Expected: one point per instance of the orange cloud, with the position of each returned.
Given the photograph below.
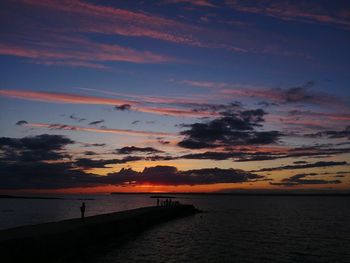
(62, 97)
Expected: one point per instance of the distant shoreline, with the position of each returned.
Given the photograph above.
(236, 194)
(41, 197)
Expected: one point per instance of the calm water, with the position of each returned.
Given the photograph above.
(235, 229)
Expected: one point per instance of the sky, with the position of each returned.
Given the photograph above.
(174, 96)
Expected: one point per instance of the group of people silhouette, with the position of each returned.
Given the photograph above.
(166, 202)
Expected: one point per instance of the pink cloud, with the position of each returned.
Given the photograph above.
(202, 3)
(297, 94)
(110, 20)
(137, 105)
(154, 99)
(62, 97)
(80, 53)
(219, 85)
(306, 11)
(98, 130)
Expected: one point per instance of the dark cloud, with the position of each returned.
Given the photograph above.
(43, 142)
(233, 106)
(40, 175)
(134, 149)
(89, 153)
(162, 141)
(234, 128)
(266, 104)
(123, 107)
(169, 175)
(135, 122)
(73, 117)
(300, 162)
(160, 158)
(332, 134)
(65, 175)
(86, 163)
(58, 126)
(299, 94)
(212, 155)
(94, 145)
(22, 122)
(35, 148)
(299, 179)
(302, 166)
(94, 123)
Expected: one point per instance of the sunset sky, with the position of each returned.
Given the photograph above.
(174, 95)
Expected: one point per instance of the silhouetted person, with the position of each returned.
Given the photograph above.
(157, 201)
(82, 210)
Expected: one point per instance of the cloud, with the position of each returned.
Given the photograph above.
(95, 123)
(291, 95)
(123, 107)
(302, 166)
(89, 153)
(298, 94)
(50, 168)
(62, 175)
(34, 148)
(86, 163)
(298, 179)
(45, 141)
(40, 175)
(94, 144)
(169, 175)
(274, 96)
(238, 156)
(73, 117)
(56, 97)
(199, 3)
(19, 123)
(109, 20)
(232, 128)
(134, 149)
(332, 134)
(98, 130)
(89, 52)
(67, 36)
(305, 11)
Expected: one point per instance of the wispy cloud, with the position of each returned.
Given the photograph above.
(296, 94)
(136, 105)
(62, 97)
(199, 3)
(98, 130)
(66, 41)
(110, 20)
(302, 11)
(82, 53)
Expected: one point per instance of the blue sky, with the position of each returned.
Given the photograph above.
(261, 84)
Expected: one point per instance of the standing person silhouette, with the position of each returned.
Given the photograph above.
(82, 210)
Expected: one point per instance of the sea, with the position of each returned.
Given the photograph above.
(233, 228)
